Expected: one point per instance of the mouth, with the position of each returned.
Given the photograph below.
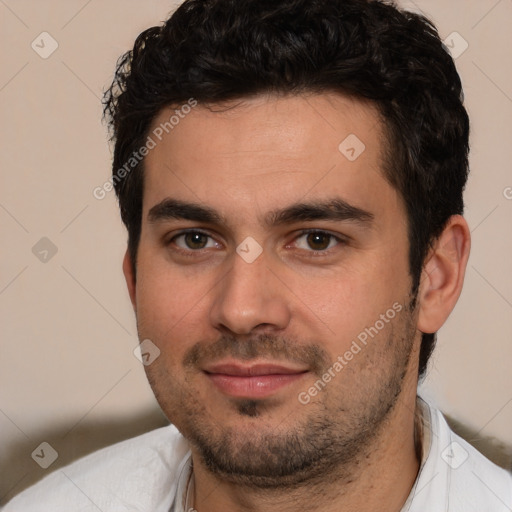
(256, 380)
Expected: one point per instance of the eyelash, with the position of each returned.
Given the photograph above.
(314, 253)
(340, 241)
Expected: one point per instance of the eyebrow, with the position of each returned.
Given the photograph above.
(175, 209)
(334, 210)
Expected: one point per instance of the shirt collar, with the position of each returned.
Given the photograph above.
(423, 436)
(183, 501)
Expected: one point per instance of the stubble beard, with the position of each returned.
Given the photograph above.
(330, 436)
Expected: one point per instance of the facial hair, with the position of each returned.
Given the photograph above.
(332, 433)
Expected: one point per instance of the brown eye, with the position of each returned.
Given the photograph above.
(319, 241)
(196, 240)
(193, 240)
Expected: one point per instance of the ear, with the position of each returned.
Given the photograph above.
(443, 275)
(129, 275)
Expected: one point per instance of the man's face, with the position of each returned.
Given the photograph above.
(269, 253)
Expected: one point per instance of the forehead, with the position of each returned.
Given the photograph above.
(259, 153)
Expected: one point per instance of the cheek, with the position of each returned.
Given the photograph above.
(162, 291)
(350, 305)
(166, 306)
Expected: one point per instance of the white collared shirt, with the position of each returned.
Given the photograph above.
(153, 473)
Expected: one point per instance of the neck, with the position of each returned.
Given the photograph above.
(380, 478)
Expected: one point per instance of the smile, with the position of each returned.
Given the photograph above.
(252, 381)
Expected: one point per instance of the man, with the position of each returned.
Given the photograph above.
(290, 174)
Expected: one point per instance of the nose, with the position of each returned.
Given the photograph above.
(250, 298)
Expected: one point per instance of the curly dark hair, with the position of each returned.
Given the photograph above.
(218, 50)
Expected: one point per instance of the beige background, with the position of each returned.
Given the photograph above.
(68, 375)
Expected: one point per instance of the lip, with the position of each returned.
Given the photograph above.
(257, 380)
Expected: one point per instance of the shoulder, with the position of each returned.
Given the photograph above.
(135, 475)
(476, 483)
(461, 479)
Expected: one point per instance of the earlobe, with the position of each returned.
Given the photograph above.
(443, 275)
(129, 276)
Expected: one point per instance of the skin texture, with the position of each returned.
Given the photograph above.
(301, 303)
